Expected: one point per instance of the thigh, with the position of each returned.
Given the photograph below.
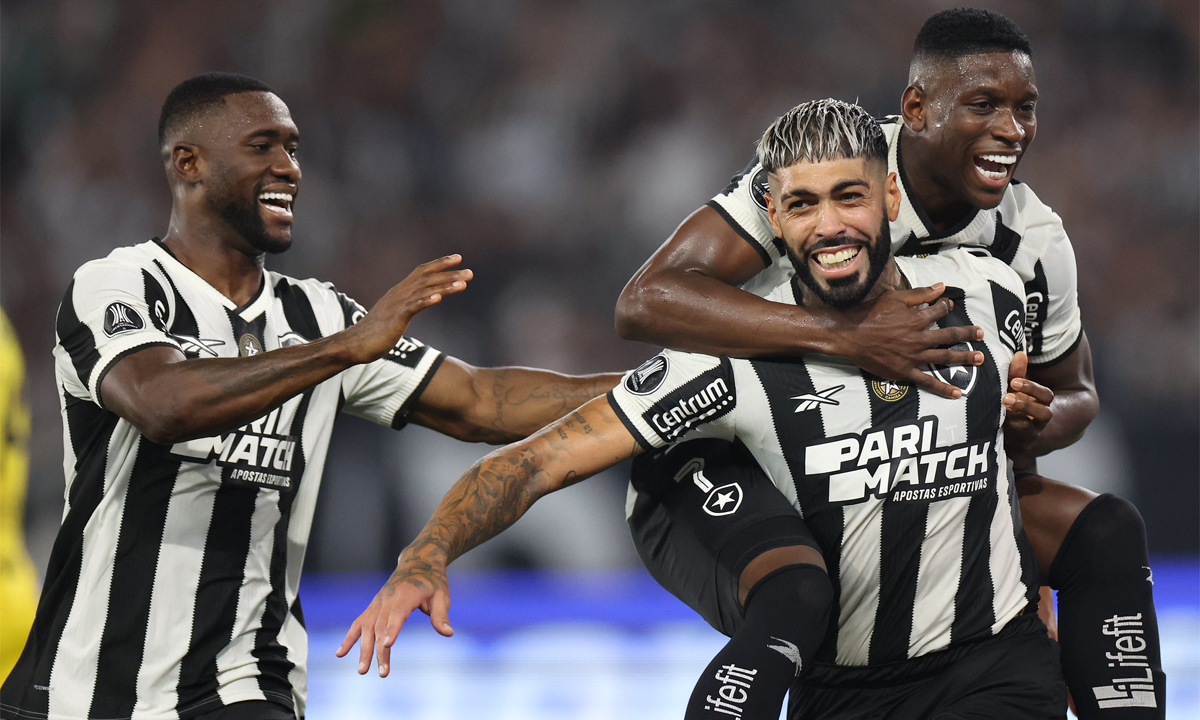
(250, 710)
(700, 513)
(1016, 679)
(1048, 509)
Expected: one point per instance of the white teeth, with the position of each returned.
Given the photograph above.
(1002, 159)
(275, 196)
(992, 175)
(836, 258)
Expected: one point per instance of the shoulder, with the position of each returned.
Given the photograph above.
(961, 267)
(333, 310)
(122, 262)
(1025, 213)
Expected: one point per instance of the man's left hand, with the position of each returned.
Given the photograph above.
(1028, 405)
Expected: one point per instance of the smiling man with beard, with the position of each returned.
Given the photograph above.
(199, 392)
(867, 546)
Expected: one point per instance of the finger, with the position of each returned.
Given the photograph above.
(952, 335)
(439, 615)
(440, 278)
(923, 295)
(942, 356)
(1029, 407)
(936, 311)
(1039, 392)
(1018, 367)
(931, 384)
(352, 636)
(366, 648)
(446, 261)
(388, 633)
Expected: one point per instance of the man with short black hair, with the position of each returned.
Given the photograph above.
(199, 392)
(967, 118)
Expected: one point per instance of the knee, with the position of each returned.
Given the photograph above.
(798, 593)
(1112, 519)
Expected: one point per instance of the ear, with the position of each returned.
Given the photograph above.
(772, 215)
(912, 108)
(891, 191)
(187, 161)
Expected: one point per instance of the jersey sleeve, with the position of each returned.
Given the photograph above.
(677, 396)
(104, 316)
(743, 205)
(1053, 324)
(384, 391)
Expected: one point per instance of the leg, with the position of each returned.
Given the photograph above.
(1092, 549)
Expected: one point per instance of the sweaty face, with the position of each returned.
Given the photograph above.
(253, 175)
(980, 118)
(833, 216)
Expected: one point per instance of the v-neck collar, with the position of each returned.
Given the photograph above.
(247, 311)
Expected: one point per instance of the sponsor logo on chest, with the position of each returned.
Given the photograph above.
(899, 463)
(255, 453)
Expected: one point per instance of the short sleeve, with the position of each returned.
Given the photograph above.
(104, 316)
(385, 390)
(677, 396)
(1053, 324)
(743, 205)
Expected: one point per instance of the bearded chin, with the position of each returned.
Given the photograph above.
(843, 293)
(247, 221)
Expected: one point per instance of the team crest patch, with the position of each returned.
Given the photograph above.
(648, 376)
(888, 390)
(759, 189)
(960, 376)
(249, 345)
(119, 318)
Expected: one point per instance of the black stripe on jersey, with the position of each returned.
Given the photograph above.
(76, 337)
(973, 611)
(183, 322)
(221, 575)
(133, 573)
(1010, 316)
(1065, 353)
(352, 312)
(400, 419)
(89, 428)
(782, 380)
(1037, 304)
(298, 310)
(736, 179)
(1006, 242)
(742, 232)
(901, 533)
(156, 300)
(273, 664)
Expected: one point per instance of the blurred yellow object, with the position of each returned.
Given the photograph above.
(18, 578)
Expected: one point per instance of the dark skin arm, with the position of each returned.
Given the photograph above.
(501, 405)
(490, 497)
(170, 398)
(1075, 404)
(686, 297)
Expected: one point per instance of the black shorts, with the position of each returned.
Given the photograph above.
(702, 510)
(1014, 675)
(250, 710)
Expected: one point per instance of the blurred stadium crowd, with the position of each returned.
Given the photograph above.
(555, 145)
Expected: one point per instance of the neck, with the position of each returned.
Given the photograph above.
(889, 279)
(220, 256)
(938, 199)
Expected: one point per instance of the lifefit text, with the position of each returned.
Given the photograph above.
(884, 457)
(732, 695)
(1129, 643)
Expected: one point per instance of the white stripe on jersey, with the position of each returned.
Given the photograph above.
(173, 602)
(759, 434)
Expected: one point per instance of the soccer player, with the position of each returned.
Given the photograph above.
(199, 392)
(967, 117)
(906, 493)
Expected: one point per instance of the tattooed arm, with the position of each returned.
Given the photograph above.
(489, 498)
(500, 405)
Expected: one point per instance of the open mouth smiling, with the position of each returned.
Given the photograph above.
(839, 261)
(277, 203)
(995, 168)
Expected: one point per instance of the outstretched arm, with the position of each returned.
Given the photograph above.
(686, 297)
(493, 495)
(169, 398)
(501, 405)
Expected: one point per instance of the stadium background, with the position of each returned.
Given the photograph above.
(555, 145)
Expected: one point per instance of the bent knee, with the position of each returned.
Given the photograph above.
(780, 558)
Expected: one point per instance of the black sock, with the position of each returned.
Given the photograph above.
(1107, 626)
(786, 617)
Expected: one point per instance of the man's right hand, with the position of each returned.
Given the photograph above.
(894, 337)
(379, 331)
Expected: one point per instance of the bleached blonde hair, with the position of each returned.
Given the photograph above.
(821, 130)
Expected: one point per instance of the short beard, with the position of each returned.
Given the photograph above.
(846, 293)
(244, 216)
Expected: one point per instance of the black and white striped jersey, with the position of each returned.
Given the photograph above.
(172, 586)
(1022, 231)
(906, 492)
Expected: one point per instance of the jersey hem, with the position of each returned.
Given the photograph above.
(108, 365)
(400, 418)
(1046, 360)
(741, 231)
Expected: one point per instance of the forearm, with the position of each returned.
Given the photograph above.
(691, 311)
(521, 401)
(195, 398)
